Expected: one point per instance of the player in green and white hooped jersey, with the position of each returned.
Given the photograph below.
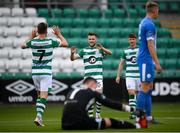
(93, 64)
(132, 71)
(42, 54)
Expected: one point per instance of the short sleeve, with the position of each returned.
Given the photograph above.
(123, 55)
(55, 43)
(150, 32)
(80, 53)
(28, 44)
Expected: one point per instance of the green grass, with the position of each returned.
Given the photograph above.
(18, 118)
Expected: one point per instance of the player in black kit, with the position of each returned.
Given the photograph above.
(78, 101)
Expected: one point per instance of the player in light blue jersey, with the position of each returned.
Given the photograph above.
(147, 58)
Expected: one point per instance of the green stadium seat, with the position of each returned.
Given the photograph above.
(125, 32)
(162, 62)
(163, 6)
(91, 22)
(76, 32)
(115, 22)
(78, 22)
(67, 22)
(94, 13)
(123, 43)
(107, 65)
(163, 32)
(162, 43)
(168, 73)
(175, 43)
(133, 13)
(170, 64)
(69, 13)
(83, 13)
(43, 12)
(114, 32)
(113, 43)
(161, 52)
(177, 73)
(66, 32)
(57, 12)
(129, 23)
(74, 42)
(116, 64)
(172, 53)
(102, 33)
(157, 23)
(118, 53)
(108, 13)
(113, 4)
(53, 21)
(178, 63)
(86, 31)
(109, 74)
(104, 23)
(83, 43)
(141, 12)
(174, 6)
(118, 13)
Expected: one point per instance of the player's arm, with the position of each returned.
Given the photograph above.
(74, 54)
(112, 104)
(120, 69)
(58, 34)
(31, 36)
(105, 50)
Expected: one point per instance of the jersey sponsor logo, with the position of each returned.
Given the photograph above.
(132, 59)
(92, 59)
(164, 89)
(20, 88)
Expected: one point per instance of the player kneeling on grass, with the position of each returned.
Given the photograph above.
(78, 102)
(42, 54)
(129, 57)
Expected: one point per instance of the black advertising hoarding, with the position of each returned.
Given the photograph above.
(23, 90)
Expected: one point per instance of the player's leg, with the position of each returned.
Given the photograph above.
(98, 104)
(45, 83)
(131, 85)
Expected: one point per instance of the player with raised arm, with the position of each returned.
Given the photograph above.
(42, 54)
(129, 57)
(93, 64)
(78, 101)
(147, 58)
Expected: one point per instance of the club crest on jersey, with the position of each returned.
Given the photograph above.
(133, 59)
(92, 59)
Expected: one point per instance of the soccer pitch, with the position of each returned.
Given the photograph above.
(19, 118)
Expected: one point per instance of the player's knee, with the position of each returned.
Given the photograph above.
(44, 94)
(146, 86)
(131, 92)
(107, 122)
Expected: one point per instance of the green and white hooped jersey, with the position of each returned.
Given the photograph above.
(42, 54)
(93, 62)
(130, 57)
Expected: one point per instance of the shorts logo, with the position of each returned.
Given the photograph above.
(92, 59)
(148, 75)
(20, 87)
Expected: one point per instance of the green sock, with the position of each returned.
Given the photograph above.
(132, 102)
(40, 106)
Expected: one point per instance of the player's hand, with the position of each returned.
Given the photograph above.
(99, 46)
(73, 49)
(56, 30)
(158, 68)
(118, 79)
(34, 33)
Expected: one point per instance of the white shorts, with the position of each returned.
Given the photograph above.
(133, 83)
(99, 85)
(42, 82)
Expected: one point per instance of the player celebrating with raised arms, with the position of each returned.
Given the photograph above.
(93, 64)
(42, 54)
(147, 58)
(129, 57)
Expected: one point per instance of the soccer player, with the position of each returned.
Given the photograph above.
(93, 61)
(129, 57)
(78, 101)
(42, 54)
(147, 58)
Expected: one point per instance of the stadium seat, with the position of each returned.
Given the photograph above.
(6, 42)
(25, 66)
(38, 20)
(26, 22)
(66, 66)
(26, 54)
(69, 13)
(83, 13)
(56, 65)
(178, 64)
(174, 6)
(66, 53)
(102, 32)
(54, 21)
(3, 21)
(163, 32)
(67, 22)
(15, 54)
(162, 43)
(83, 43)
(1, 31)
(118, 13)
(107, 65)
(57, 53)
(17, 42)
(5, 11)
(13, 21)
(2, 66)
(56, 12)
(12, 66)
(133, 13)
(108, 13)
(115, 22)
(74, 42)
(24, 32)
(65, 32)
(31, 12)
(129, 23)
(4, 54)
(94, 13)
(170, 63)
(78, 66)
(17, 12)
(113, 32)
(118, 53)
(78, 22)
(116, 64)
(91, 22)
(104, 23)
(43, 12)
(172, 53)
(161, 52)
(163, 6)
(76, 32)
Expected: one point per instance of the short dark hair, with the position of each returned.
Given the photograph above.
(132, 35)
(86, 80)
(42, 28)
(92, 34)
(150, 6)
